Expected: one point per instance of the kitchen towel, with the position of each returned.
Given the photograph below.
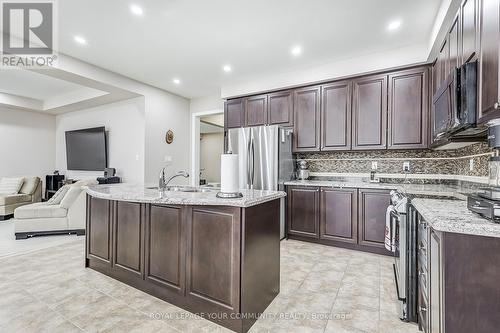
(389, 241)
(229, 173)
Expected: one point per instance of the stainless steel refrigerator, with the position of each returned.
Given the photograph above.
(265, 159)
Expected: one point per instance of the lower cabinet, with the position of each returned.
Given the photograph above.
(339, 218)
(434, 262)
(349, 217)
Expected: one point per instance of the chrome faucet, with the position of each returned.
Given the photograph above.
(163, 184)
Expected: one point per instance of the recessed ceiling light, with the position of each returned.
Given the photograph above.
(136, 10)
(296, 50)
(176, 81)
(226, 68)
(80, 40)
(394, 25)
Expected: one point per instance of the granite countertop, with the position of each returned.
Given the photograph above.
(140, 193)
(408, 189)
(453, 216)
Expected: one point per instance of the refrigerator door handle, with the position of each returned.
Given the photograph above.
(248, 163)
(252, 166)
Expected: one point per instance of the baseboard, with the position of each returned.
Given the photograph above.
(25, 235)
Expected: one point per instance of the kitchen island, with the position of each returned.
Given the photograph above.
(218, 258)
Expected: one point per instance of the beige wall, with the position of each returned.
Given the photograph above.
(211, 147)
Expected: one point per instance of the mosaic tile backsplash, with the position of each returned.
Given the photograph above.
(447, 162)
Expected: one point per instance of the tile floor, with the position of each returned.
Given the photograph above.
(323, 289)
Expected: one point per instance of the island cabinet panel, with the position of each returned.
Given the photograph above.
(306, 109)
(234, 113)
(489, 57)
(469, 30)
(336, 116)
(99, 229)
(213, 258)
(303, 211)
(165, 248)
(370, 113)
(256, 110)
(408, 109)
(128, 236)
(338, 221)
(280, 108)
(373, 205)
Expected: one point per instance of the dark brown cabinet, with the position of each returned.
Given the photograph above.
(280, 108)
(99, 226)
(443, 62)
(303, 211)
(165, 251)
(336, 116)
(306, 110)
(489, 55)
(408, 109)
(370, 113)
(339, 218)
(435, 292)
(373, 205)
(127, 241)
(454, 45)
(469, 18)
(234, 113)
(256, 110)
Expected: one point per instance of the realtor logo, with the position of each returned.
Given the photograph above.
(28, 33)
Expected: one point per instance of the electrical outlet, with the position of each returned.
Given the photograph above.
(406, 166)
(167, 159)
(374, 165)
(471, 164)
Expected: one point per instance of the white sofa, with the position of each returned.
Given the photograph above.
(30, 192)
(64, 214)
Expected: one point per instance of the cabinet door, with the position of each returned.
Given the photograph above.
(488, 60)
(469, 18)
(128, 237)
(339, 217)
(435, 291)
(336, 116)
(256, 110)
(443, 63)
(213, 258)
(303, 211)
(99, 229)
(307, 119)
(408, 109)
(370, 113)
(165, 248)
(234, 113)
(280, 108)
(453, 39)
(373, 205)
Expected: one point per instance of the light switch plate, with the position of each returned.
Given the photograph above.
(471, 164)
(374, 165)
(406, 166)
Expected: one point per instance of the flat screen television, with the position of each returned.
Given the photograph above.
(86, 149)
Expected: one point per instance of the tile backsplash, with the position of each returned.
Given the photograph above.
(445, 162)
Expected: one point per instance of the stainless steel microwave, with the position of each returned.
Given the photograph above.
(455, 109)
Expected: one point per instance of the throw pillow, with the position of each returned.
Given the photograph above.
(10, 186)
(58, 196)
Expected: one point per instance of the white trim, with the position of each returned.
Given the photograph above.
(475, 179)
(195, 144)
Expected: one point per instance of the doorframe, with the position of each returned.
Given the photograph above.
(195, 144)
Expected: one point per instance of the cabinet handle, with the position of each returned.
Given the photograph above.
(496, 106)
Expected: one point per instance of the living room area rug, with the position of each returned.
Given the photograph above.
(9, 246)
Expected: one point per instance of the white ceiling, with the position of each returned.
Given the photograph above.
(192, 40)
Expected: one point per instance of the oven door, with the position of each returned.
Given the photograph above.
(398, 220)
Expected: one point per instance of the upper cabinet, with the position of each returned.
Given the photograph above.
(369, 125)
(469, 18)
(336, 116)
(454, 45)
(256, 110)
(280, 108)
(489, 54)
(234, 113)
(408, 109)
(306, 109)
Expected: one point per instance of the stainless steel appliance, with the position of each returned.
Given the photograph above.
(265, 159)
(302, 170)
(486, 203)
(454, 121)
